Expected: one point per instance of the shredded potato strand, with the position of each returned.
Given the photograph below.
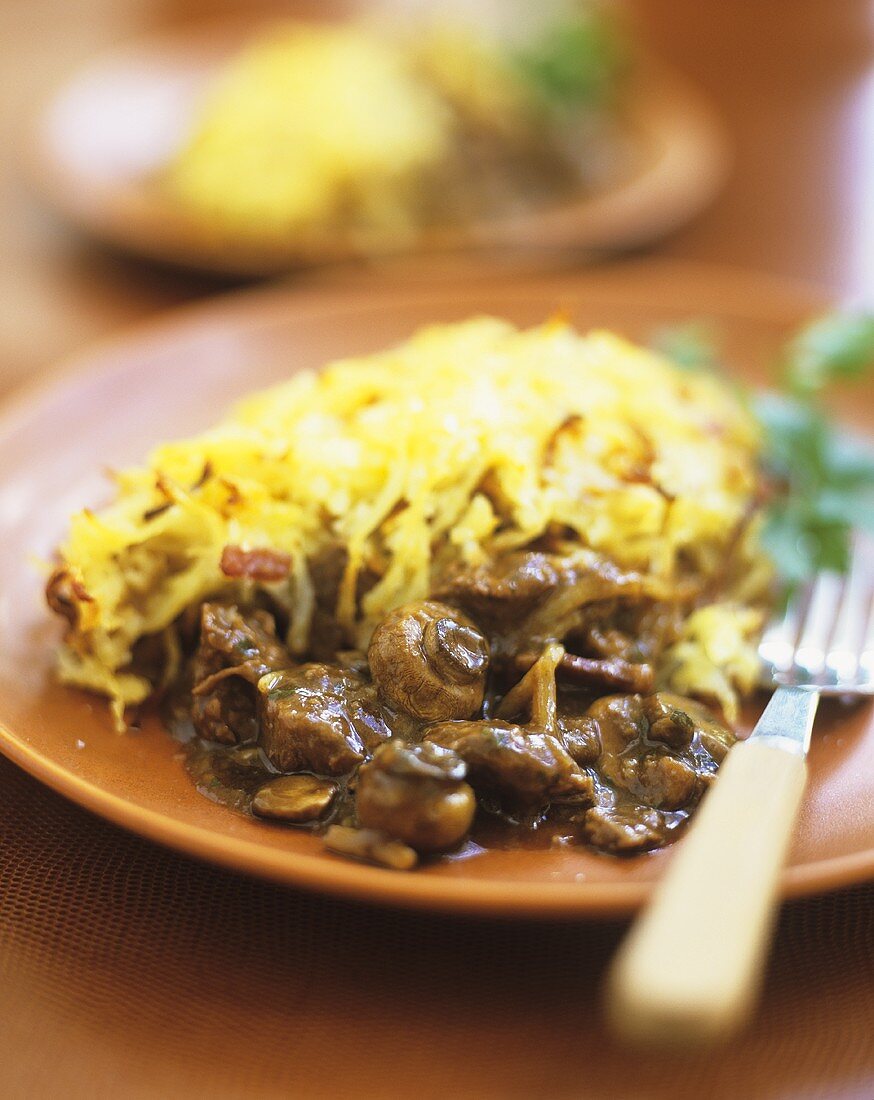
(468, 439)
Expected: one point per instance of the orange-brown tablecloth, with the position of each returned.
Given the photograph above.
(127, 970)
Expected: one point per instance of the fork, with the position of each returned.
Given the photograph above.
(690, 968)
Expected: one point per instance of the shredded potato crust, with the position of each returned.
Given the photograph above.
(467, 440)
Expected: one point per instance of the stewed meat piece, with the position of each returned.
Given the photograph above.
(525, 771)
(709, 740)
(417, 794)
(296, 799)
(580, 737)
(236, 648)
(657, 748)
(319, 718)
(429, 661)
(595, 673)
(499, 593)
(531, 597)
(628, 830)
(668, 722)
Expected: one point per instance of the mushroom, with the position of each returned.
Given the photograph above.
(417, 794)
(372, 846)
(430, 661)
(294, 798)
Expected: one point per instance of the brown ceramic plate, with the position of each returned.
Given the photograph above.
(100, 170)
(174, 377)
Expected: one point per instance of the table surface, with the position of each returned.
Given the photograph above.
(264, 991)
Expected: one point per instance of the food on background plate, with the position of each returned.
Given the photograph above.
(487, 584)
(371, 136)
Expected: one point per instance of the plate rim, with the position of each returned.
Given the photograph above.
(326, 873)
(323, 872)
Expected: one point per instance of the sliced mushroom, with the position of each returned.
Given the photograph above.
(430, 661)
(372, 846)
(294, 798)
(417, 794)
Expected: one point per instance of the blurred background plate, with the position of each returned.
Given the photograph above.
(105, 134)
(174, 377)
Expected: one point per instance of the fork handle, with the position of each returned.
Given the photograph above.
(689, 970)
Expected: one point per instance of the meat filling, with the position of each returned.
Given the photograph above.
(521, 691)
(235, 650)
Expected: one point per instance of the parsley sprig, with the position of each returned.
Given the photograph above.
(821, 478)
(578, 61)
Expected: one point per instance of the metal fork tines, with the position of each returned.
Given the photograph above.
(825, 639)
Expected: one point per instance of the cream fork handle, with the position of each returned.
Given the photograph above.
(689, 970)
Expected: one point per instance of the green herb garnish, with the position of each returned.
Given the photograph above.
(578, 61)
(838, 347)
(822, 479)
(692, 346)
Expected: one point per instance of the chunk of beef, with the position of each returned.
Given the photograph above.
(604, 673)
(499, 593)
(580, 738)
(660, 780)
(524, 771)
(326, 570)
(236, 648)
(668, 721)
(417, 794)
(319, 718)
(525, 600)
(327, 567)
(226, 714)
(657, 748)
(710, 740)
(626, 831)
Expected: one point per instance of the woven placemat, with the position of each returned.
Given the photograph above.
(128, 970)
